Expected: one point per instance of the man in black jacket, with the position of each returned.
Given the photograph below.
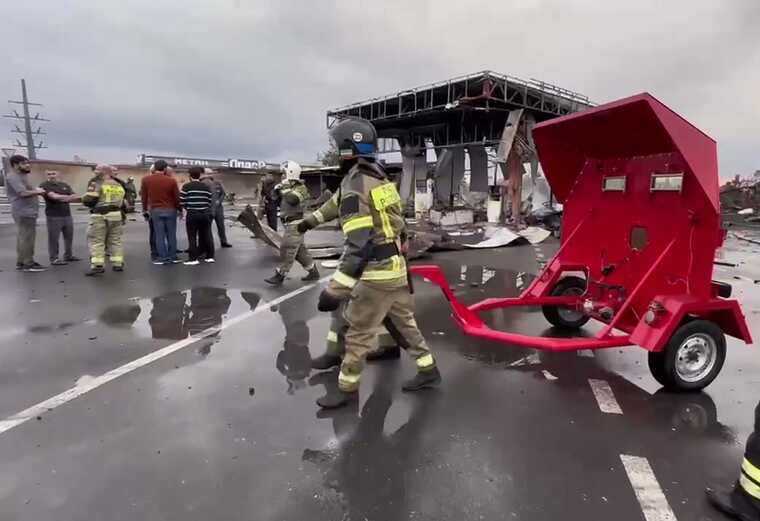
(195, 197)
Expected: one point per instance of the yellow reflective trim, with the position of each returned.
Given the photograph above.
(387, 229)
(352, 379)
(357, 223)
(383, 274)
(332, 336)
(425, 361)
(98, 261)
(749, 487)
(751, 470)
(343, 279)
(319, 216)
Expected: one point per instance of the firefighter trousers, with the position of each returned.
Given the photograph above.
(104, 235)
(293, 249)
(371, 305)
(336, 336)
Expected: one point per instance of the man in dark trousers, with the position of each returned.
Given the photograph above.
(58, 216)
(195, 198)
(217, 208)
(269, 200)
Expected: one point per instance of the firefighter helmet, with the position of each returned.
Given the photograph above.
(354, 137)
(291, 169)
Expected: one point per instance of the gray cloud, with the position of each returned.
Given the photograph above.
(254, 78)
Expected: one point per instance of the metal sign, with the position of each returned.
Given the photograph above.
(244, 164)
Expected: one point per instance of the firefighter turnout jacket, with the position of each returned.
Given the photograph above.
(371, 217)
(292, 194)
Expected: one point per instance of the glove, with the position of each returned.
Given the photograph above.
(328, 301)
(303, 226)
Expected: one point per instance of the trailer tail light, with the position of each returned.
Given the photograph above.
(655, 310)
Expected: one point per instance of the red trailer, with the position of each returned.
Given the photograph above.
(640, 229)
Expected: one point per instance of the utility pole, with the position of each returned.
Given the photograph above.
(30, 145)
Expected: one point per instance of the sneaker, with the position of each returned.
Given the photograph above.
(72, 258)
(226, 245)
(174, 261)
(58, 262)
(158, 263)
(19, 266)
(209, 260)
(191, 263)
(34, 268)
(117, 267)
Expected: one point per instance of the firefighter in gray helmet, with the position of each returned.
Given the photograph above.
(292, 193)
(743, 500)
(372, 269)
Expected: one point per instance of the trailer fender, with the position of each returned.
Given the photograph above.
(727, 314)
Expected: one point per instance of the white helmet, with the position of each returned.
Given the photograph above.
(291, 169)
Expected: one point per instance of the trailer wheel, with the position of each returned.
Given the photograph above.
(562, 317)
(692, 358)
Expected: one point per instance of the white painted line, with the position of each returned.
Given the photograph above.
(585, 353)
(653, 502)
(604, 397)
(93, 383)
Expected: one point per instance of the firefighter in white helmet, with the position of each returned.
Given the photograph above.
(291, 194)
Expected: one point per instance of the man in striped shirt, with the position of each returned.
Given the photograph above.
(195, 198)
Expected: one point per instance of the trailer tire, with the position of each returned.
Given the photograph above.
(691, 359)
(566, 318)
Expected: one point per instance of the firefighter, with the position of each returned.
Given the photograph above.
(292, 193)
(372, 269)
(743, 501)
(106, 199)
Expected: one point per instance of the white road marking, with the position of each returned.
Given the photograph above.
(586, 353)
(93, 383)
(604, 397)
(653, 502)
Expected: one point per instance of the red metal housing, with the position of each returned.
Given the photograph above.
(641, 222)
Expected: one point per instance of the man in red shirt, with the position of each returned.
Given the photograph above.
(160, 197)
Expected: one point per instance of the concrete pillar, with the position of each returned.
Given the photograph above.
(478, 169)
(448, 174)
(414, 167)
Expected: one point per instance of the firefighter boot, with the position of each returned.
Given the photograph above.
(325, 361)
(95, 270)
(422, 380)
(734, 503)
(384, 353)
(312, 275)
(276, 280)
(337, 398)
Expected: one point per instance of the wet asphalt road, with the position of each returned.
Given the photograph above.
(226, 427)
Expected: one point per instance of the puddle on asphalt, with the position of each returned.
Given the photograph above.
(179, 314)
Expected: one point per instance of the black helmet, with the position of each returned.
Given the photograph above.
(354, 137)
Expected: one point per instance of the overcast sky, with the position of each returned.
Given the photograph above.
(253, 79)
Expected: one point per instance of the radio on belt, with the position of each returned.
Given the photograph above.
(640, 229)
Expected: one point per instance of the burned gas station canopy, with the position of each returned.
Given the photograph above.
(466, 109)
